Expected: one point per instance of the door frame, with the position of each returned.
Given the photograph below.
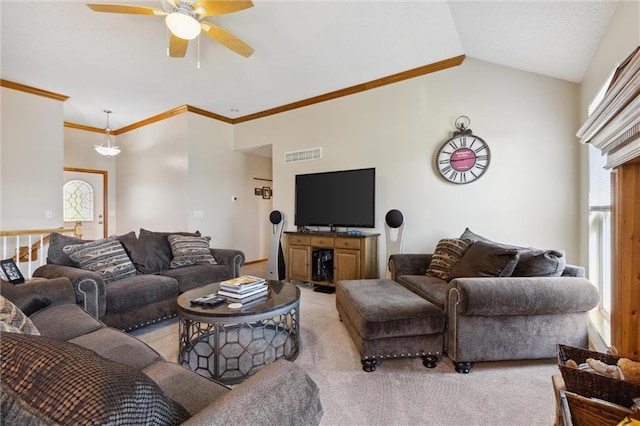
(105, 193)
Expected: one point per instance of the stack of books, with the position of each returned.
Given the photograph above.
(243, 289)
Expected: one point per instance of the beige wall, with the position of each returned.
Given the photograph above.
(31, 161)
(528, 196)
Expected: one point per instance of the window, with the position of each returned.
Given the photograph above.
(600, 225)
(78, 201)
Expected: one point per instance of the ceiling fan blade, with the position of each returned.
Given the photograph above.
(213, 7)
(123, 8)
(226, 39)
(177, 47)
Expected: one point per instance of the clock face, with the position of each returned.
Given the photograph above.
(463, 158)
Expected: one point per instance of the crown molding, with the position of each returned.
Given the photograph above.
(394, 78)
(83, 127)
(32, 90)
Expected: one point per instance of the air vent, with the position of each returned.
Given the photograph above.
(305, 155)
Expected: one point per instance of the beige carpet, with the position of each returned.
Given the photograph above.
(401, 392)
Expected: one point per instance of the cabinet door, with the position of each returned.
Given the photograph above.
(346, 264)
(299, 269)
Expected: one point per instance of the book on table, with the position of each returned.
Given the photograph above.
(243, 289)
(242, 296)
(235, 298)
(242, 281)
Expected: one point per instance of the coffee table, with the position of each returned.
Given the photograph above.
(229, 345)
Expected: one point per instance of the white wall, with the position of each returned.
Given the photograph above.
(171, 171)
(79, 152)
(528, 196)
(31, 161)
(152, 177)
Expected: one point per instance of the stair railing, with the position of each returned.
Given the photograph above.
(33, 253)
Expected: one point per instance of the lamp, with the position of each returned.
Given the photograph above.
(183, 25)
(106, 148)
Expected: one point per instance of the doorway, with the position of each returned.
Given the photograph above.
(85, 198)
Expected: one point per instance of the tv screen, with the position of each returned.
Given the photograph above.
(344, 198)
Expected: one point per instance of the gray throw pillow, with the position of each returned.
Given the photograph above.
(106, 257)
(69, 384)
(533, 262)
(188, 250)
(448, 252)
(152, 252)
(484, 259)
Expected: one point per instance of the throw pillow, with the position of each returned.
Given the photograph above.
(70, 384)
(24, 298)
(540, 263)
(106, 257)
(56, 255)
(447, 253)
(532, 262)
(484, 259)
(189, 250)
(152, 252)
(15, 319)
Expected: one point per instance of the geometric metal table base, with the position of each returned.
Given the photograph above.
(243, 344)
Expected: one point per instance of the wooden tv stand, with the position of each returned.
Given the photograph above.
(353, 256)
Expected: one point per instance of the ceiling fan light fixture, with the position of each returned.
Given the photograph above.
(106, 148)
(183, 25)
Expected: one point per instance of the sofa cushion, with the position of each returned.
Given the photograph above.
(447, 253)
(190, 250)
(76, 322)
(432, 289)
(484, 259)
(13, 317)
(139, 290)
(24, 298)
(106, 257)
(121, 347)
(197, 275)
(533, 262)
(57, 256)
(153, 251)
(73, 385)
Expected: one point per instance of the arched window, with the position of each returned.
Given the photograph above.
(78, 201)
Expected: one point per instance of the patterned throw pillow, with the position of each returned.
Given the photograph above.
(14, 320)
(68, 384)
(188, 250)
(106, 257)
(448, 252)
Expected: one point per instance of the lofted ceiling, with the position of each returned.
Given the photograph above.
(302, 49)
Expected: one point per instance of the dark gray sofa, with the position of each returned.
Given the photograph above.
(80, 370)
(151, 294)
(494, 318)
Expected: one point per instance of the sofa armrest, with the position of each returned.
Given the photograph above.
(279, 394)
(408, 264)
(521, 296)
(58, 290)
(234, 259)
(89, 287)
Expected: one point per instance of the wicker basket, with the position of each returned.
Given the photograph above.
(594, 412)
(593, 385)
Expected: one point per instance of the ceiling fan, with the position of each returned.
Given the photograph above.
(185, 20)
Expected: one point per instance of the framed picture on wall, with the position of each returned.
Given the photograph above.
(266, 192)
(9, 272)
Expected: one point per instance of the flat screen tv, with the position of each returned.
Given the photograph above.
(343, 198)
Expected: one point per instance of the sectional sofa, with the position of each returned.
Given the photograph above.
(61, 365)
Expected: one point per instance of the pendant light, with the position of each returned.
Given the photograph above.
(106, 148)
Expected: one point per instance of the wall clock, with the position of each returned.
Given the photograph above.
(465, 157)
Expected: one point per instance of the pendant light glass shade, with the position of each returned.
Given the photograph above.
(106, 148)
(183, 25)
